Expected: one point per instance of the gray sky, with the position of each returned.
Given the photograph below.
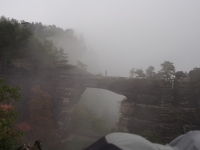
(124, 33)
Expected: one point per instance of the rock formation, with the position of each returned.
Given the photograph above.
(151, 105)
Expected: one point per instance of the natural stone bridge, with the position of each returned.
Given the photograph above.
(71, 77)
(151, 105)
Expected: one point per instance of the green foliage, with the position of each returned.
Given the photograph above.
(8, 94)
(13, 37)
(43, 53)
(10, 137)
(167, 71)
(12, 33)
(152, 136)
(20, 41)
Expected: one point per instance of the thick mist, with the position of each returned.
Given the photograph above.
(104, 103)
(116, 36)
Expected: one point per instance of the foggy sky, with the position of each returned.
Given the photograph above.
(123, 33)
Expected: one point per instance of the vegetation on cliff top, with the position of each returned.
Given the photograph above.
(167, 72)
(34, 45)
(31, 46)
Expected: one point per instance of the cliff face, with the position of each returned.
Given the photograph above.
(166, 110)
(151, 105)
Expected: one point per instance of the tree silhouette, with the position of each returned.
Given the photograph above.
(140, 73)
(167, 71)
(194, 76)
(150, 71)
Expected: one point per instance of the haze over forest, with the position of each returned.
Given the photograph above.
(125, 34)
(110, 37)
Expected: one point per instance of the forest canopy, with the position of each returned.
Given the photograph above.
(167, 72)
(34, 44)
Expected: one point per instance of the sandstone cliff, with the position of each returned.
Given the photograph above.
(151, 105)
